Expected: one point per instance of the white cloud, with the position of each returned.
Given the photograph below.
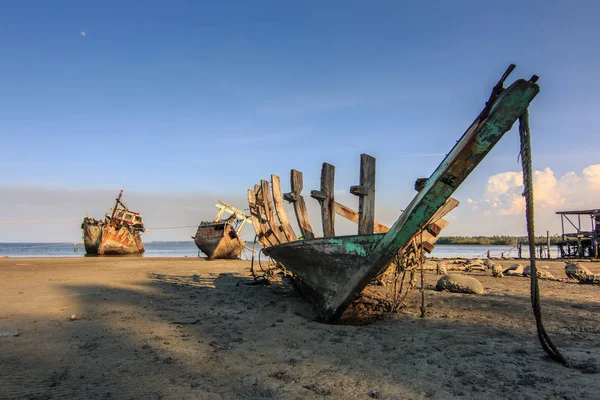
(503, 191)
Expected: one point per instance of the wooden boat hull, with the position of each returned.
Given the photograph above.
(110, 239)
(322, 266)
(219, 240)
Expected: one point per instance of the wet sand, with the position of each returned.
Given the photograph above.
(188, 328)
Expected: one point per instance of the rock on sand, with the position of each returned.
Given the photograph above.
(459, 284)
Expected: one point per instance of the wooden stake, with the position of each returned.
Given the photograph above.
(366, 193)
(326, 199)
(296, 198)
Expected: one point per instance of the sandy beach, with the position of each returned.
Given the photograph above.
(186, 328)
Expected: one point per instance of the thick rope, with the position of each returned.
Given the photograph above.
(423, 310)
(526, 162)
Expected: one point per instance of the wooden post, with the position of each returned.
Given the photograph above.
(326, 199)
(488, 254)
(519, 249)
(548, 242)
(280, 210)
(296, 198)
(366, 193)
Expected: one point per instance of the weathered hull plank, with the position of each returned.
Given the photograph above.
(280, 210)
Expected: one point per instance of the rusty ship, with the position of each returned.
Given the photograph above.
(220, 238)
(118, 233)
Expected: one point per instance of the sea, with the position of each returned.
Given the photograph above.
(189, 249)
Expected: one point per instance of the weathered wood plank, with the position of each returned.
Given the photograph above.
(260, 206)
(255, 216)
(296, 198)
(448, 206)
(366, 193)
(325, 196)
(280, 210)
(269, 212)
(351, 215)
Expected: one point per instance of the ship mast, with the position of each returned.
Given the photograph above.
(117, 204)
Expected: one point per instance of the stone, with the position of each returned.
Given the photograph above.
(458, 283)
(576, 271)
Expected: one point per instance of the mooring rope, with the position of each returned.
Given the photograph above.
(30, 221)
(526, 162)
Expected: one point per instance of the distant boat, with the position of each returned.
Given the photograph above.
(118, 233)
(220, 238)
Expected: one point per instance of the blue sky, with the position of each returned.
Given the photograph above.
(209, 97)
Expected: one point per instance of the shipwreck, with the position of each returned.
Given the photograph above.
(118, 233)
(333, 271)
(220, 238)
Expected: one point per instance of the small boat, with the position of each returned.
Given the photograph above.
(332, 271)
(118, 233)
(220, 238)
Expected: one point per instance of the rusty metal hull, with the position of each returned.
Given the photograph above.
(219, 240)
(110, 239)
(318, 262)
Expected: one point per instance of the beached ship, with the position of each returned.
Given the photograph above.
(118, 233)
(333, 271)
(220, 238)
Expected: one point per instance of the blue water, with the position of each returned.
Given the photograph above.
(189, 249)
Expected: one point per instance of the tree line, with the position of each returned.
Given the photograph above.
(493, 240)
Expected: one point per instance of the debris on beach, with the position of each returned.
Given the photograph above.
(220, 238)
(9, 334)
(118, 233)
